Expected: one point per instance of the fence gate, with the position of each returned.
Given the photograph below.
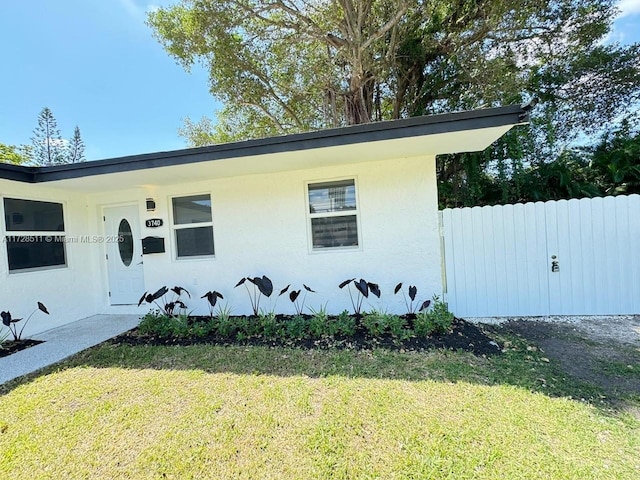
(576, 257)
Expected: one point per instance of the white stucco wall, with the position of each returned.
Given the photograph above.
(68, 292)
(261, 228)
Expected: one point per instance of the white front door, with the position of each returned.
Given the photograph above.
(124, 254)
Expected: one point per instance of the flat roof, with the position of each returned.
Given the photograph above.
(355, 134)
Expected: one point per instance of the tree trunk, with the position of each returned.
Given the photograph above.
(359, 99)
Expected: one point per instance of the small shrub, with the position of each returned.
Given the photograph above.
(181, 325)
(201, 328)
(226, 327)
(152, 324)
(438, 319)
(398, 327)
(163, 325)
(375, 323)
(269, 325)
(344, 324)
(296, 328)
(318, 325)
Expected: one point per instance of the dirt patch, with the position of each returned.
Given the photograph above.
(603, 351)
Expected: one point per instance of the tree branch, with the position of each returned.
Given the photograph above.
(384, 29)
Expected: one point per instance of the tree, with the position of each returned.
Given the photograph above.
(75, 149)
(48, 146)
(615, 162)
(12, 154)
(291, 65)
(284, 66)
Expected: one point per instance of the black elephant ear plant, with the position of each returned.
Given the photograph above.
(170, 307)
(412, 306)
(294, 296)
(261, 286)
(363, 288)
(12, 323)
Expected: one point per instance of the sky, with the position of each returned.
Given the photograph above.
(95, 64)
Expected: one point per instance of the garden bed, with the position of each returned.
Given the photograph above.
(461, 335)
(13, 346)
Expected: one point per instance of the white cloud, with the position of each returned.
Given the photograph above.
(629, 7)
(613, 36)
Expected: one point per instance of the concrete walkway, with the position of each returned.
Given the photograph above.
(62, 342)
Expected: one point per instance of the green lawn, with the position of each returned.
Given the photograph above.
(235, 412)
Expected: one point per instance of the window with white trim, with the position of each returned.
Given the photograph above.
(35, 235)
(333, 214)
(193, 226)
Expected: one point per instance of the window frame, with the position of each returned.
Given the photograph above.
(184, 226)
(34, 233)
(346, 213)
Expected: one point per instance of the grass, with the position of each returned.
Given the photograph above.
(620, 369)
(247, 412)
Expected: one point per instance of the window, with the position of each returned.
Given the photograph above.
(35, 234)
(193, 226)
(333, 214)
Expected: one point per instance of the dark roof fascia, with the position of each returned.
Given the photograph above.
(370, 132)
(18, 173)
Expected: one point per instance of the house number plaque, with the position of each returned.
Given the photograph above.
(154, 222)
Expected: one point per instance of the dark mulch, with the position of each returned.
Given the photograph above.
(15, 346)
(463, 336)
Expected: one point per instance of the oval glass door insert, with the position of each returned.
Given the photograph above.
(125, 242)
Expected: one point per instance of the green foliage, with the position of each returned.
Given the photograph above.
(397, 326)
(48, 147)
(75, 149)
(610, 167)
(380, 323)
(201, 328)
(223, 312)
(296, 328)
(163, 325)
(319, 322)
(616, 161)
(13, 154)
(376, 323)
(435, 320)
(323, 64)
(344, 324)
(269, 325)
(227, 327)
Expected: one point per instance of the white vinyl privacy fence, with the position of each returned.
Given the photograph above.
(576, 257)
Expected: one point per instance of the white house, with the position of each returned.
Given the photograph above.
(314, 208)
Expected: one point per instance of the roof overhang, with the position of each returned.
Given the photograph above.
(419, 136)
